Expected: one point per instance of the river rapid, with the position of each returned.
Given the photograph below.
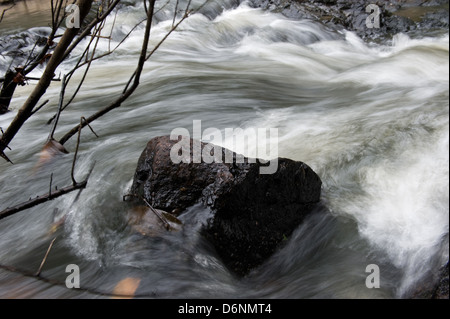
(372, 120)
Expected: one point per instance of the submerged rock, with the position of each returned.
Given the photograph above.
(253, 212)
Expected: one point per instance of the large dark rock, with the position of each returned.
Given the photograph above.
(256, 213)
(253, 212)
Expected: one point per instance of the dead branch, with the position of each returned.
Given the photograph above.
(38, 273)
(55, 194)
(133, 81)
(90, 26)
(131, 89)
(46, 197)
(42, 199)
(56, 23)
(37, 79)
(57, 57)
(89, 61)
(40, 107)
(7, 91)
(58, 113)
(72, 172)
(3, 154)
(4, 11)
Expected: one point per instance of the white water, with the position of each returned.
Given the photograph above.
(371, 120)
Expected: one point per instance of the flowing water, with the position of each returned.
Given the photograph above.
(371, 119)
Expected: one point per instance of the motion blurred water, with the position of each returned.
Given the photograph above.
(371, 119)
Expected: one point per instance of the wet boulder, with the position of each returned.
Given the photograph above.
(253, 213)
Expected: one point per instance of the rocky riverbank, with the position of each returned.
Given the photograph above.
(414, 17)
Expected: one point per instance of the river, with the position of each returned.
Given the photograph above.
(372, 120)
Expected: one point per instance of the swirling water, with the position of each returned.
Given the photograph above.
(371, 119)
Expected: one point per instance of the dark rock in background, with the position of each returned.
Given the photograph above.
(396, 16)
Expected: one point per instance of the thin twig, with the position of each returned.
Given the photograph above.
(37, 79)
(81, 64)
(2, 154)
(133, 81)
(4, 11)
(75, 155)
(50, 186)
(87, 177)
(175, 13)
(61, 101)
(38, 273)
(89, 27)
(89, 61)
(40, 107)
(133, 87)
(92, 130)
(164, 221)
(42, 199)
(154, 211)
(61, 51)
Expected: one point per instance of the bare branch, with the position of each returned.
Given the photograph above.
(130, 90)
(88, 29)
(50, 185)
(4, 11)
(133, 81)
(47, 197)
(37, 79)
(38, 273)
(175, 13)
(40, 107)
(57, 57)
(61, 100)
(76, 149)
(72, 172)
(42, 199)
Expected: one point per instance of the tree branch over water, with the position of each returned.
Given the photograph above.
(56, 58)
(51, 194)
(72, 38)
(134, 79)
